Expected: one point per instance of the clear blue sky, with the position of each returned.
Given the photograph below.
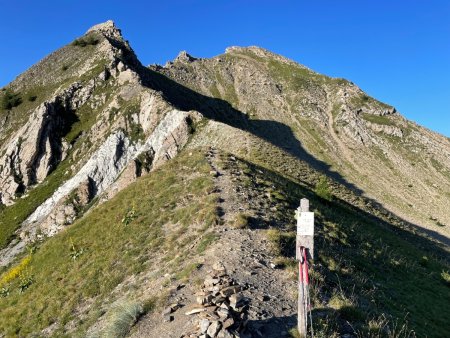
(396, 50)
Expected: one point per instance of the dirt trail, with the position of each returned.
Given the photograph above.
(245, 253)
(341, 146)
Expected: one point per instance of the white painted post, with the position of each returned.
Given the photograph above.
(305, 239)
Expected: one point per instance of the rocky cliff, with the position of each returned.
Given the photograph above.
(98, 122)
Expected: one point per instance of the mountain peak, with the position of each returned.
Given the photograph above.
(262, 53)
(184, 56)
(107, 28)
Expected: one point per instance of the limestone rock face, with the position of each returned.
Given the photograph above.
(38, 146)
(388, 130)
(108, 128)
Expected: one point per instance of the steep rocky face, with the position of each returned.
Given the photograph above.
(100, 121)
(350, 136)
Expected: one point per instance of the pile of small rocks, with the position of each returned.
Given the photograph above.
(221, 308)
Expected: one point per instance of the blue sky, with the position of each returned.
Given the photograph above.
(397, 51)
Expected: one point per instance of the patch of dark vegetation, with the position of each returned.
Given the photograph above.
(32, 98)
(10, 100)
(86, 41)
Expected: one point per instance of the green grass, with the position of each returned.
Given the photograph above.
(322, 189)
(206, 241)
(184, 274)
(113, 251)
(383, 120)
(366, 268)
(122, 319)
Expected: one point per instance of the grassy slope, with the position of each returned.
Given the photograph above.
(173, 206)
(367, 270)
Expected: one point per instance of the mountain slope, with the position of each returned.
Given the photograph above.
(334, 126)
(80, 136)
(245, 135)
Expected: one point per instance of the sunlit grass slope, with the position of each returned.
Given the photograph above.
(72, 274)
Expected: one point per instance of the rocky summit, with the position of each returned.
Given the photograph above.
(159, 201)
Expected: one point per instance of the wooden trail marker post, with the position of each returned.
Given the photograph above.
(305, 241)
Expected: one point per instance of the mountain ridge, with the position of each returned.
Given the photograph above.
(202, 155)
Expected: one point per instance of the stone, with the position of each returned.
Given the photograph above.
(203, 300)
(167, 311)
(228, 291)
(211, 281)
(224, 306)
(224, 333)
(204, 324)
(194, 311)
(228, 323)
(175, 306)
(236, 299)
(214, 329)
(262, 298)
(183, 56)
(218, 266)
(167, 318)
(223, 313)
(218, 300)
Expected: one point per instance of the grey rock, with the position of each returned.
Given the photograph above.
(214, 329)
(204, 325)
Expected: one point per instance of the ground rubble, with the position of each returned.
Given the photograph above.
(221, 308)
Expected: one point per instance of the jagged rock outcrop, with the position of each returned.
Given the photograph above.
(129, 129)
(38, 147)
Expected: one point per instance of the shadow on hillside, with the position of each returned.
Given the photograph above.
(271, 327)
(412, 233)
(278, 134)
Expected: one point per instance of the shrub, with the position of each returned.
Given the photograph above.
(446, 277)
(122, 319)
(25, 282)
(10, 100)
(75, 252)
(129, 216)
(322, 189)
(32, 98)
(85, 41)
(16, 271)
(4, 292)
(241, 221)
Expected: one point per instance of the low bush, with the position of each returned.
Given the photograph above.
(10, 100)
(123, 318)
(322, 189)
(85, 41)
